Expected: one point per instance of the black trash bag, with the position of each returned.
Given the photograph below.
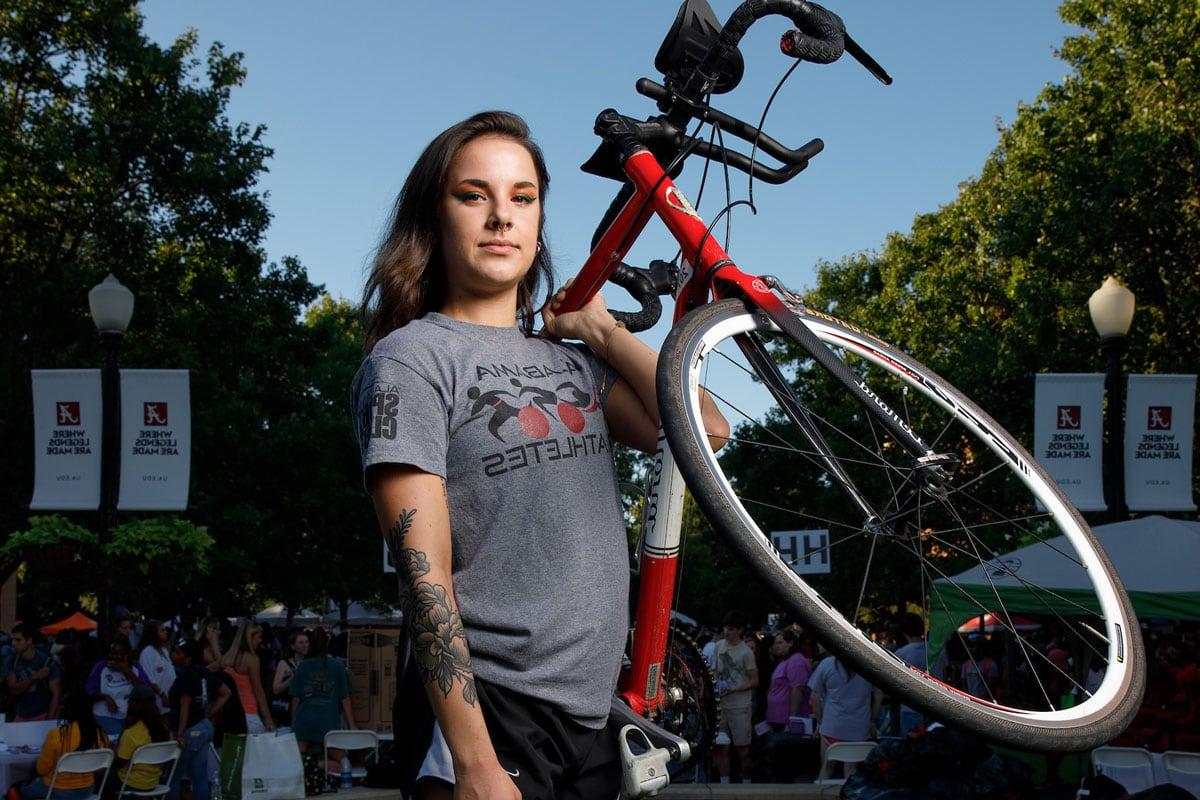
(1164, 791)
(857, 787)
(891, 764)
(1002, 777)
(917, 759)
(943, 752)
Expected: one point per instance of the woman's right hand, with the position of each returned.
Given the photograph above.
(485, 784)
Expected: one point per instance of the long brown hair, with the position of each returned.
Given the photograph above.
(408, 277)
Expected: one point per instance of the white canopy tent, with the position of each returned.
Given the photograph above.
(360, 614)
(276, 614)
(1156, 558)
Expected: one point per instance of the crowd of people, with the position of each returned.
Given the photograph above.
(768, 678)
(191, 684)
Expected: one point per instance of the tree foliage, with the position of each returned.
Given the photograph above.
(116, 155)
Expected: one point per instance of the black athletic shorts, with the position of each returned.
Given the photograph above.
(554, 757)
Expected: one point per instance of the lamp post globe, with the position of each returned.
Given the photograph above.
(1111, 308)
(111, 305)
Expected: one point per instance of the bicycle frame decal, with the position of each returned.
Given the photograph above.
(680, 203)
(885, 408)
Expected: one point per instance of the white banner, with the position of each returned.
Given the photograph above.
(1068, 435)
(66, 439)
(156, 439)
(806, 551)
(1159, 425)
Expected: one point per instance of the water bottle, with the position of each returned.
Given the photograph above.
(347, 776)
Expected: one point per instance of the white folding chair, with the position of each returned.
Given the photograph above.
(351, 740)
(1183, 770)
(80, 761)
(158, 754)
(1132, 767)
(846, 753)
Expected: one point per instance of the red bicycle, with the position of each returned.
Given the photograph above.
(899, 472)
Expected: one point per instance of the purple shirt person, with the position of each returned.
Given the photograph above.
(788, 695)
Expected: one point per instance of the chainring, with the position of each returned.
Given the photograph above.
(692, 709)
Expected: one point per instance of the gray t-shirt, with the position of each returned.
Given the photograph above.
(539, 555)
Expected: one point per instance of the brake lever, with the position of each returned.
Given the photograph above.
(668, 100)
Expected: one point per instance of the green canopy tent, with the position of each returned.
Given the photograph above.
(1156, 558)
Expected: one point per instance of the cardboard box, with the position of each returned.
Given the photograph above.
(371, 657)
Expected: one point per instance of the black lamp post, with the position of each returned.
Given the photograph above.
(1111, 307)
(111, 305)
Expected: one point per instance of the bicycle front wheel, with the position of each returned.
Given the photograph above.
(1032, 641)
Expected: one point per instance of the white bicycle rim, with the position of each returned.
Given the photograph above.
(1115, 685)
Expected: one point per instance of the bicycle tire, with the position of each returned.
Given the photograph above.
(992, 464)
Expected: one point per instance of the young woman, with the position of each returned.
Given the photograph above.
(241, 664)
(320, 699)
(143, 724)
(154, 655)
(487, 451)
(297, 649)
(788, 692)
(77, 730)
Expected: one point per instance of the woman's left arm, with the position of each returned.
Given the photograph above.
(632, 405)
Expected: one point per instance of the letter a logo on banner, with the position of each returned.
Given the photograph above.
(156, 439)
(1158, 442)
(1067, 430)
(66, 439)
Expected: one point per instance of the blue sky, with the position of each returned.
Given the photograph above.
(351, 92)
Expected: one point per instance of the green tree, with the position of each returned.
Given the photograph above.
(116, 155)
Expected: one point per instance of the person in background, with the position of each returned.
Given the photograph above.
(124, 630)
(241, 664)
(737, 675)
(197, 697)
(77, 730)
(843, 705)
(31, 677)
(208, 628)
(320, 694)
(788, 694)
(913, 652)
(980, 672)
(294, 653)
(231, 719)
(154, 656)
(110, 684)
(144, 724)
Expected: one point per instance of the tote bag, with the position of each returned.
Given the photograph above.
(261, 766)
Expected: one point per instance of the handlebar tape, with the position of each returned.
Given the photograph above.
(637, 283)
(819, 36)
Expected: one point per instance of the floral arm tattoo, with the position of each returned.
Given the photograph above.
(434, 625)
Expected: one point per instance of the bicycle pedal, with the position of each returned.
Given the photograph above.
(643, 774)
